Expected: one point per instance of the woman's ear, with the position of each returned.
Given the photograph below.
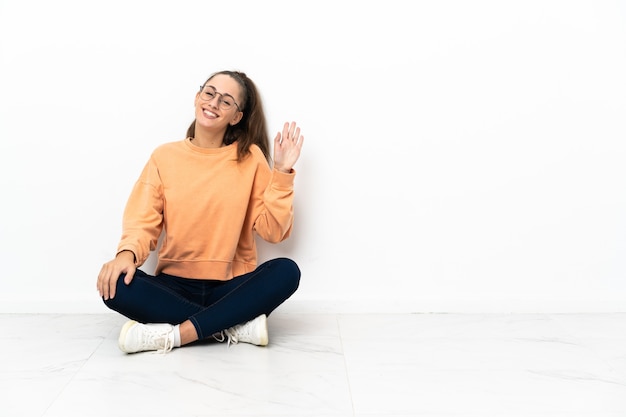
(236, 118)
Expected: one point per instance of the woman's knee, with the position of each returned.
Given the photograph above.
(289, 272)
(116, 302)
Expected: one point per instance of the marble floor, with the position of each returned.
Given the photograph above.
(394, 365)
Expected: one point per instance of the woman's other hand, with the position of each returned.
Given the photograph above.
(124, 263)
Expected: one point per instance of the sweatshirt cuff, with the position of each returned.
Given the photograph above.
(283, 179)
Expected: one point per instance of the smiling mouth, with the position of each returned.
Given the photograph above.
(209, 113)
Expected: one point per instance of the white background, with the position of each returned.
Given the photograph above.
(459, 155)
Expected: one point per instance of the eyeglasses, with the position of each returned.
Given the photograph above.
(225, 101)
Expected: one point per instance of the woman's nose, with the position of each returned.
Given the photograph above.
(215, 101)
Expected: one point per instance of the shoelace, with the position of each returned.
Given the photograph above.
(234, 334)
(155, 338)
(168, 345)
(226, 334)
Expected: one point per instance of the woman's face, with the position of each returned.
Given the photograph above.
(217, 105)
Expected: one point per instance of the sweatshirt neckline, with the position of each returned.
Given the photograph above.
(208, 151)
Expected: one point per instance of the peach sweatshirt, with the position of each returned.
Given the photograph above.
(209, 206)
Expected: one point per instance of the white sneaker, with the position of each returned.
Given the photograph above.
(137, 337)
(253, 332)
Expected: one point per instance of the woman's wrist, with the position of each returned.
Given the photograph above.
(127, 253)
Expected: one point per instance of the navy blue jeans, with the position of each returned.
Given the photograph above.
(211, 305)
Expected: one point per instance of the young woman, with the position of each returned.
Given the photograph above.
(210, 194)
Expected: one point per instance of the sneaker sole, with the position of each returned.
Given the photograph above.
(122, 339)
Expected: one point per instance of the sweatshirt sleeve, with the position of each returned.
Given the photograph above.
(275, 218)
(143, 215)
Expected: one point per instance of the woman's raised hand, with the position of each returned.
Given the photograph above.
(287, 147)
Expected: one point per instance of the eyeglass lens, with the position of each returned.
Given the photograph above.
(224, 101)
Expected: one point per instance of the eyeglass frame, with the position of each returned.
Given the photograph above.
(220, 99)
